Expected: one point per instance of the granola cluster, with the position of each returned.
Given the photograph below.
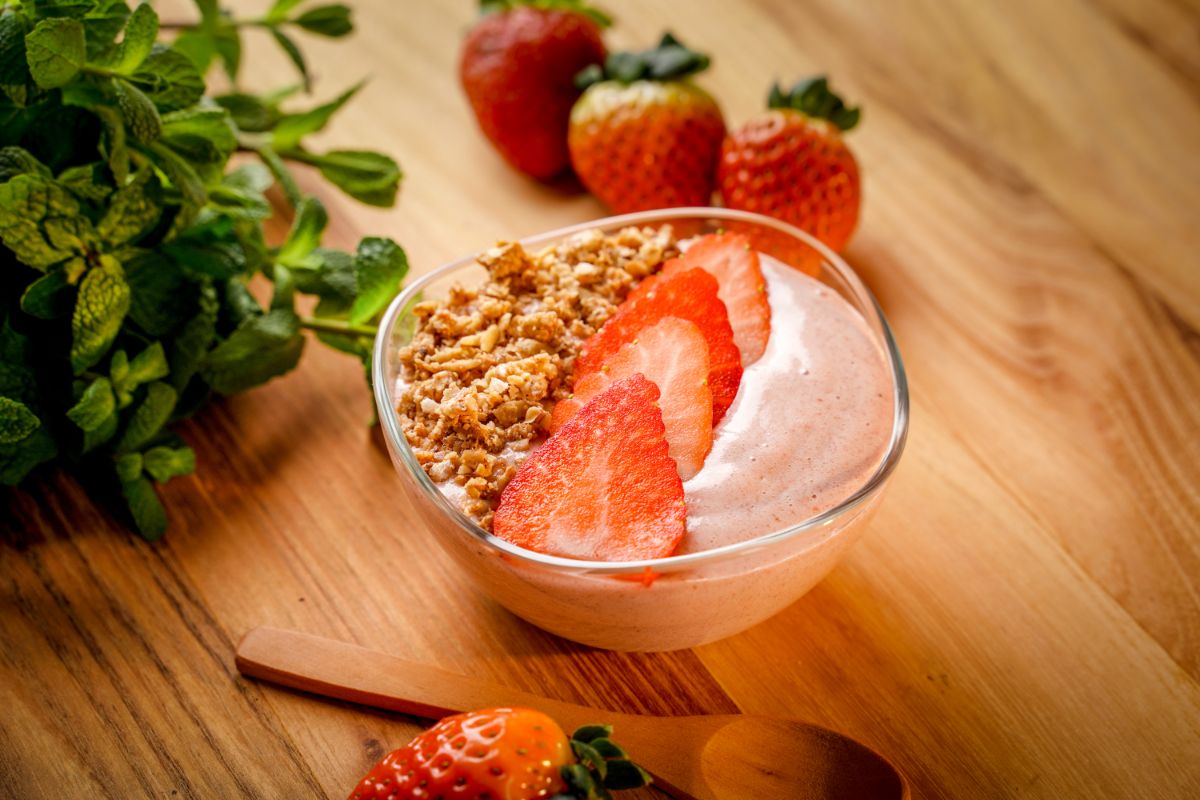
(485, 364)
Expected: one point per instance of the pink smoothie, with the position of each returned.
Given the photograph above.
(811, 421)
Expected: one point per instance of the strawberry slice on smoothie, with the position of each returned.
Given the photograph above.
(731, 259)
(691, 295)
(673, 355)
(602, 488)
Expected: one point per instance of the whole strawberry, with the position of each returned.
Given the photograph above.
(518, 67)
(643, 135)
(509, 753)
(792, 163)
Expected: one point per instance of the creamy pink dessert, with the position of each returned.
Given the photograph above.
(794, 471)
(812, 419)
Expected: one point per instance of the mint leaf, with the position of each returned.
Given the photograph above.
(291, 128)
(95, 405)
(159, 295)
(100, 309)
(279, 11)
(169, 79)
(16, 161)
(284, 296)
(180, 173)
(144, 506)
(129, 466)
(55, 50)
(293, 53)
(305, 234)
(101, 24)
(16, 421)
(132, 210)
(148, 365)
(149, 417)
(73, 234)
(261, 348)
(239, 303)
(164, 463)
(141, 117)
(86, 181)
(14, 69)
(240, 194)
(102, 433)
(379, 266)
(27, 203)
(190, 347)
(140, 34)
(370, 178)
(203, 136)
(221, 259)
(250, 113)
(49, 297)
(332, 20)
(198, 46)
(330, 274)
(229, 48)
(18, 458)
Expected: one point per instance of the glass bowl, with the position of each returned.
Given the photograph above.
(663, 603)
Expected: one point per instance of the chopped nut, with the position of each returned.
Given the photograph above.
(484, 365)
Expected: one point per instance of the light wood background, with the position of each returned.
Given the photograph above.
(1023, 619)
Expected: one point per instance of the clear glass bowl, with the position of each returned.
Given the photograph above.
(664, 603)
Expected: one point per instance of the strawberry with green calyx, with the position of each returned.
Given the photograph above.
(793, 164)
(643, 135)
(511, 753)
(518, 66)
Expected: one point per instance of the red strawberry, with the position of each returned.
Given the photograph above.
(511, 753)
(603, 487)
(644, 136)
(730, 259)
(791, 163)
(674, 356)
(518, 69)
(690, 295)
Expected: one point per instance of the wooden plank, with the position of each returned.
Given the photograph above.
(1064, 95)
(1024, 617)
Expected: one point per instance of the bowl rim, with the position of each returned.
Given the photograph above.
(398, 443)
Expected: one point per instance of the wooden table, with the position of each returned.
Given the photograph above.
(1023, 619)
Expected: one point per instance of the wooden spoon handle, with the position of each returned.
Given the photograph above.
(348, 672)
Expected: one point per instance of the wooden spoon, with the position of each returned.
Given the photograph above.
(702, 757)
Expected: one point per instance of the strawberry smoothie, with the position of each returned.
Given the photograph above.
(796, 469)
(812, 419)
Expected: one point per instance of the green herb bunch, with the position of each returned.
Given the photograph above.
(129, 235)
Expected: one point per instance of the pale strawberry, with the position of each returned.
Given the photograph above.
(731, 259)
(674, 356)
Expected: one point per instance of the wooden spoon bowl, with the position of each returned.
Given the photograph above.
(703, 757)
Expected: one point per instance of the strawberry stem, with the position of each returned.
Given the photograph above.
(602, 767)
(578, 6)
(814, 98)
(670, 60)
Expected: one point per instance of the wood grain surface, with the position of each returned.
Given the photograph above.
(1023, 618)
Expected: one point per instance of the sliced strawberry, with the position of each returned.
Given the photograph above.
(603, 487)
(672, 353)
(734, 263)
(689, 295)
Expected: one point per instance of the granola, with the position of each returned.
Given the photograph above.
(485, 365)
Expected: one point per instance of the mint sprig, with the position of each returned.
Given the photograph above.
(128, 235)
